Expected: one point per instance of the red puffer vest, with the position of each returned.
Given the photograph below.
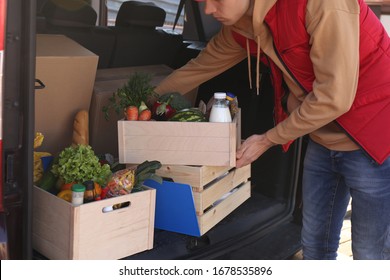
(367, 120)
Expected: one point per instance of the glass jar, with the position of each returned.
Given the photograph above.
(89, 191)
(78, 194)
(220, 111)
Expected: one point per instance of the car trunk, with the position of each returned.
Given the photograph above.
(258, 228)
(262, 227)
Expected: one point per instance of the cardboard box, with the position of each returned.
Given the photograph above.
(179, 143)
(63, 231)
(68, 71)
(104, 133)
(199, 198)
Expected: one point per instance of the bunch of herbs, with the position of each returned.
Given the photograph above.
(138, 89)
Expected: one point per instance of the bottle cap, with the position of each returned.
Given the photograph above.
(78, 188)
(219, 95)
(89, 185)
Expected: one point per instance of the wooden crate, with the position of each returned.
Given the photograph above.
(62, 231)
(179, 143)
(215, 192)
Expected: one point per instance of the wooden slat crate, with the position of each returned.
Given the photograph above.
(63, 231)
(179, 143)
(215, 191)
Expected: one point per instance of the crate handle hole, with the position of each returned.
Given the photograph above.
(168, 179)
(116, 206)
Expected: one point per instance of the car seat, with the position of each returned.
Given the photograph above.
(77, 20)
(139, 41)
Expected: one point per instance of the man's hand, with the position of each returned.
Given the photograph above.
(252, 148)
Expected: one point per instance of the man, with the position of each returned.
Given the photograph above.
(334, 57)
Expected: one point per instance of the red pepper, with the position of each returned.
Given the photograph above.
(162, 111)
(103, 195)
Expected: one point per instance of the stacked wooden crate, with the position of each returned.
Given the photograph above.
(215, 192)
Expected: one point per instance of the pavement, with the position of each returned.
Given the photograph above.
(345, 252)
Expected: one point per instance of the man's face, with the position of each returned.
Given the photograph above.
(228, 12)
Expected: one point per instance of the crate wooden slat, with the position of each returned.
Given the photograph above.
(214, 215)
(179, 143)
(195, 176)
(176, 210)
(203, 199)
(208, 183)
(62, 231)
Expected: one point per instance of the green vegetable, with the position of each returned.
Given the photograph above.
(188, 115)
(48, 181)
(145, 171)
(178, 101)
(79, 164)
(138, 89)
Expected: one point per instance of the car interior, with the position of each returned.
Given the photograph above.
(137, 39)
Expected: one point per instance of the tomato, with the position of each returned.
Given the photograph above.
(67, 186)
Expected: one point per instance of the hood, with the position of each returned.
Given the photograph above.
(260, 10)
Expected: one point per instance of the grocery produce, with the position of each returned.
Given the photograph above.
(188, 115)
(138, 89)
(79, 164)
(97, 191)
(131, 179)
(162, 110)
(131, 113)
(81, 128)
(145, 115)
(145, 171)
(48, 181)
(38, 165)
(67, 186)
(122, 179)
(178, 101)
(66, 195)
(142, 107)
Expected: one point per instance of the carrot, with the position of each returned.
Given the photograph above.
(145, 115)
(131, 113)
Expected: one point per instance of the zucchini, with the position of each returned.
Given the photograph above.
(48, 181)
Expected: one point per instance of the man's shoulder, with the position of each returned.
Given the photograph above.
(316, 7)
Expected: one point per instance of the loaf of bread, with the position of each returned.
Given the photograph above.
(80, 128)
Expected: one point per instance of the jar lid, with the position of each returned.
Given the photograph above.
(219, 95)
(78, 188)
(89, 185)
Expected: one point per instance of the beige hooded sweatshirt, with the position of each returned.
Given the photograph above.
(333, 26)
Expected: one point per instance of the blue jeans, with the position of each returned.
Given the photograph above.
(330, 179)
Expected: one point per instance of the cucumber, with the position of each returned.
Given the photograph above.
(48, 181)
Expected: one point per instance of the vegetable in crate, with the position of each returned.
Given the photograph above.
(178, 101)
(144, 113)
(79, 164)
(138, 89)
(162, 110)
(131, 179)
(146, 171)
(189, 115)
